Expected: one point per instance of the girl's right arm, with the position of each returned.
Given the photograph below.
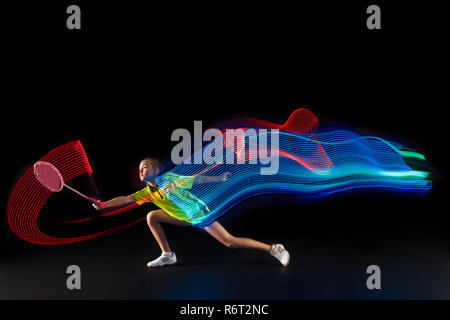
(115, 202)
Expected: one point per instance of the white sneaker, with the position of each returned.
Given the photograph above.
(279, 252)
(163, 260)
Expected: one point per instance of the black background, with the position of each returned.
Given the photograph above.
(136, 72)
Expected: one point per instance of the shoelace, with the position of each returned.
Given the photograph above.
(165, 258)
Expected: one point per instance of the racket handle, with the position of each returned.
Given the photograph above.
(93, 200)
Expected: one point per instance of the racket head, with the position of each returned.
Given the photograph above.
(48, 175)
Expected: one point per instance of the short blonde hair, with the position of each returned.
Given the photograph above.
(153, 162)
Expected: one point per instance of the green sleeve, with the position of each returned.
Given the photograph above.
(183, 182)
(142, 196)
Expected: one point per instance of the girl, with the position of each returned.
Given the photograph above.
(149, 169)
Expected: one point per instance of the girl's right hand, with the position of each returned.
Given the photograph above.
(98, 206)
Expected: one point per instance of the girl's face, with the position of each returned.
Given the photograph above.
(146, 170)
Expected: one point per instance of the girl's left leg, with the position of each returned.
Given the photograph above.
(224, 237)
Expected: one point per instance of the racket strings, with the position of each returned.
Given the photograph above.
(49, 176)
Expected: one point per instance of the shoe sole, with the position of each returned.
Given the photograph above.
(164, 265)
(288, 260)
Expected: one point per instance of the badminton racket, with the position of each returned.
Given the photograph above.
(50, 177)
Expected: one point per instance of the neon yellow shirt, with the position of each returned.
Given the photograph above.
(175, 187)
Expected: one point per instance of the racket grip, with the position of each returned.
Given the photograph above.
(94, 201)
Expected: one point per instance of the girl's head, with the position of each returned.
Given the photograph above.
(149, 169)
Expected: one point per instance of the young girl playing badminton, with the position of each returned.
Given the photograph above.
(169, 212)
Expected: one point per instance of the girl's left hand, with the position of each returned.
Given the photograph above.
(225, 176)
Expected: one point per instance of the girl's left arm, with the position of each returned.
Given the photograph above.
(207, 179)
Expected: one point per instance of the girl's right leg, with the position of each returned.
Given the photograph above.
(154, 220)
